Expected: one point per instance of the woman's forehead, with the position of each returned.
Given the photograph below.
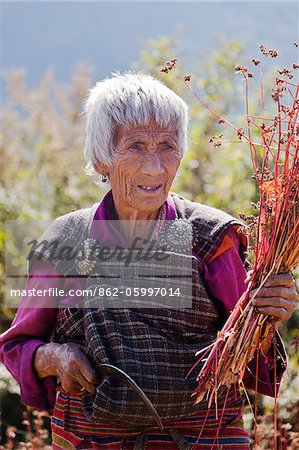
(150, 129)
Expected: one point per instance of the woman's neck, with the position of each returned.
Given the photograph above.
(139, 225)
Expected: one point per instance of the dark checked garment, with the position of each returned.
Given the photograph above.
(156, 346)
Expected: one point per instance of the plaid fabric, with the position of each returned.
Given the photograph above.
(155, 346)
(209, 225)
(70, 231)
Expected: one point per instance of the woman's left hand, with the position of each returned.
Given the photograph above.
(277, 297)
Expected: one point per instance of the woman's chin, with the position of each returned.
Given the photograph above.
(147, 207)
(144, 201)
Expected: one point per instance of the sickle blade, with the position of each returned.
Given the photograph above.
(109, 369)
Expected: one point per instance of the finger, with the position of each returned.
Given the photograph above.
(73, 387)
(71, 384)
(279, 313)
(81, 347)
(81, 382)
(276, 302)
(80, 361)
(89, 373)
(89, 378)
(77, 388)
(288, 293)
(281, 279)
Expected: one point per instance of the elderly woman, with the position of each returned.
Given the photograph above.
(136, 137)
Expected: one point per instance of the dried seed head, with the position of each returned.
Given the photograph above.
(249, 219)
(169, 65)
(256, 61)
(267, 174)
(216, 141)
(187, 77)
(250, 75)
(240, 68)
(295, 66)
(221, 121)
(273, 53)
(264, 50)
(243, 216)
(286, 109)
(256, 205)
(240, 133)
(296, 44)
(286, 72)
(277, 92)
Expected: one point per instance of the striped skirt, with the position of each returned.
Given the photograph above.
(70, 430)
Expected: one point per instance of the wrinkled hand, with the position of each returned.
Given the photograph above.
(277, 297)
(68, 361)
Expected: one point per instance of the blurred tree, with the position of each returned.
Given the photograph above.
(220, 177)
(42, 137)
(41, 143)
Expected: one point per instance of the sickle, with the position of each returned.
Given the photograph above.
(108, 369)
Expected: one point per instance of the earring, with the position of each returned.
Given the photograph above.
(104, 178)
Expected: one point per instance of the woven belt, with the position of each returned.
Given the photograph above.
(142, 439)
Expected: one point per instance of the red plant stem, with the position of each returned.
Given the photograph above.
(275, 396)
(278, 144)
(203, 426)
(206, 350)
(264, 119)
(256, 396)
(276, 169)
(221, 419)
(288, 83)
(253, 151)
(211, 111)
(262, 92)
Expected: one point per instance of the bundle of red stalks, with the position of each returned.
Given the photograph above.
(273, 234)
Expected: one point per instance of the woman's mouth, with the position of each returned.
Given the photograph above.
(150, 189)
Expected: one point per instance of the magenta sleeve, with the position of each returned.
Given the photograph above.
(31, 328)
(18, 356)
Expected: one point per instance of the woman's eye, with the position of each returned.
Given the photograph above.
(135, 146)
(168, 147)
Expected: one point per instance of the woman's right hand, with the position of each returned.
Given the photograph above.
(70, 363)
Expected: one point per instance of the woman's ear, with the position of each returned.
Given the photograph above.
(101, 168)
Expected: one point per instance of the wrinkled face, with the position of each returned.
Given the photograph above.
(146, 160)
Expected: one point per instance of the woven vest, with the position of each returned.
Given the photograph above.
(156, 346)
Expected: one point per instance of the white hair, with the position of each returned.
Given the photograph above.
(129, 99)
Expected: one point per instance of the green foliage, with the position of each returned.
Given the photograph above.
(42, 137)
(41, 143)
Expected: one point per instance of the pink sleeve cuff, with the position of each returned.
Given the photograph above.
(36, 392)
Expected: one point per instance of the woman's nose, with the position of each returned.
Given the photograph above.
(151, 164)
